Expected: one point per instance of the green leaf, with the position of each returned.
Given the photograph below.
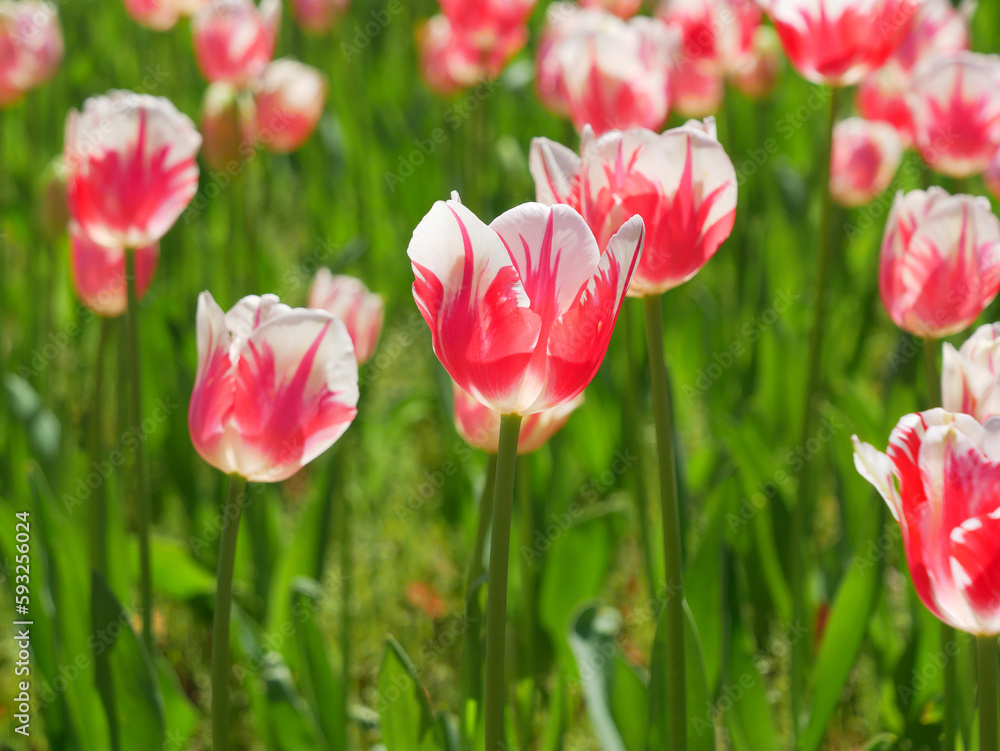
(700, 730)
(322, 689)
(181, 716)
(408, 724)
(842, 639)
(290, 723)
(750, 723)
(616, 696)
(176, 574)
(139, 705)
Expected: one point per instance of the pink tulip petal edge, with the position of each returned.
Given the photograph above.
(275, 388)
(521, 311)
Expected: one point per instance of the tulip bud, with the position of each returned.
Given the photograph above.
(318, 16)
(53, 211)
(970, 376)
(234, 39)
(228, 126)
(31, 47)
(864, 159)
(290, 101)
(349, 299)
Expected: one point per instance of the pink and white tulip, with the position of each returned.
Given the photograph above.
(448, 65)
(479, 426)
(610, 73)
(228, 126)
(318, 16)
(756, 72)
(865, 157)
(939, 477)
(970, 376)
(290, 100)
(275, 387)
(349, 299)
(131, 167)
(521, 311)
(937, 28)
(838, 42)
(955, 101)
(940, 263)
(31, 47)
(495, 29)
(681, 182)
(234, 40)
(99, 273)
(161, 15)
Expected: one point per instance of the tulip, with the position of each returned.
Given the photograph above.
(275, 386)
(31, 47)
(158, 15)
(290, 103)
(447, 64)
(131, 167)
(756, 72)
(318, 16)
(938, 477)
(99, 273)
(479, 426)
(228, 126)
(621, 8)
(496, 29)
(837, 42)
(937, 28)
(349, 300)
(970, 378)
(865, 157)
(520, 311)
(234, 39)
(682, 183)
(940, 264)
(562, 20)
(955, 103)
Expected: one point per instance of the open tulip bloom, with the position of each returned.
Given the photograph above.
(941, 479)
(275, 388)
(521, 312)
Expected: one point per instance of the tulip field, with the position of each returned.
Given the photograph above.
(504, 375)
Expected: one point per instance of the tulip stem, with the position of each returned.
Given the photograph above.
(223, 605)
(931, 371)
(346, 574)
(672, 554)
(472, 689)
(141, 478)
(99, 508)
(986, 649)
(801, 510)
(496, 603)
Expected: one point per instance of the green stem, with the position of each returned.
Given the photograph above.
(99, 508)
(141, 478)
(496, 603)
(223, 605)
(986, 650)
(346, 576)
(472, 689)
(801, 510)
(931, 371)
(529, 652)
(672, 553)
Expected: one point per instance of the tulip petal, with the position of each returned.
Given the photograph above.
(554, 167)
(975, 565)
(212, 398)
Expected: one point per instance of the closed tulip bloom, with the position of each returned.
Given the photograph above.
(521, 311)
(99, 273)
(756, 73)
(131, 167)
(864, 160)
(496, 29)
(937, 28)
(234, 39)
(318, 16)
(955, 101)
(479, 426)
(275, 387)
(970, 376)
(615, 74)
(838, 42)
(349, 300)
(31, 47)
(228, 126)
(562, 19)
(940, 264)
(681, 182)
(621, 8)
(447, 64)
(940, 476)
(158, 15)
(290, 101)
